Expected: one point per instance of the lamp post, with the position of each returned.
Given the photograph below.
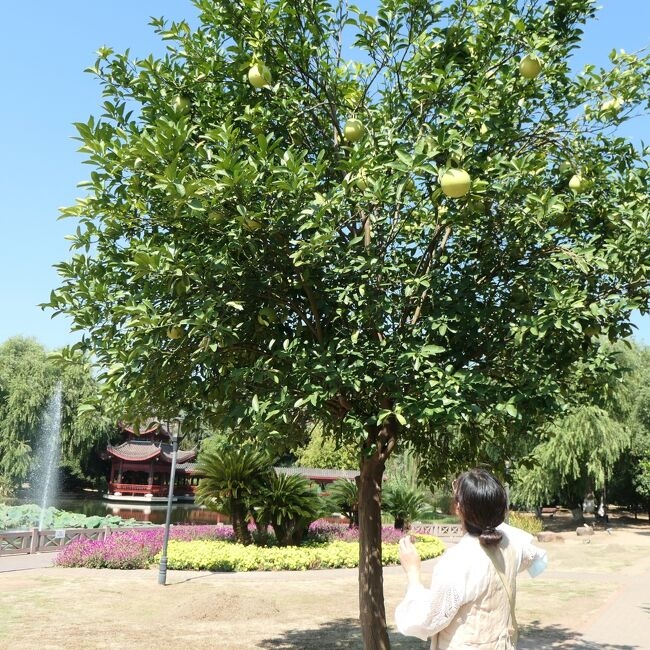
(175, 431)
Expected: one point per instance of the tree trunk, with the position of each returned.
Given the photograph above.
(379, 445)
(577, 515)
(238, 514)
(371, 579)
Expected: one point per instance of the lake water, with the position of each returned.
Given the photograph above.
(182, 513)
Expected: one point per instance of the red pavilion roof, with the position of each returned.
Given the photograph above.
(142, 450)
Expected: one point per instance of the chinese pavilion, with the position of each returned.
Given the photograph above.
(141, 466)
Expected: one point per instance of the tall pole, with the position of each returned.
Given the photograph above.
(162, 570)
(507, 489)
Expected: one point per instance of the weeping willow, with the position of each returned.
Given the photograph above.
(576, 454)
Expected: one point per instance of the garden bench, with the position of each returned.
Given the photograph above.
(550, 511)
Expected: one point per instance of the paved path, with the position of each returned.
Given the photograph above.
(26, 562)
(618, 579)
(624, 620)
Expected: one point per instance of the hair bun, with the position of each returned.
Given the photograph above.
(490, 536)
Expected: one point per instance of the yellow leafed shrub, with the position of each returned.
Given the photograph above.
(208, 555)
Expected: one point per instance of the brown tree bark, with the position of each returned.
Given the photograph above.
(371, 579)
(240, 522)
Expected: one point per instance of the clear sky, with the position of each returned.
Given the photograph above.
(44, 49)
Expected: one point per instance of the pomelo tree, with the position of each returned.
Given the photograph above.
(263, 250)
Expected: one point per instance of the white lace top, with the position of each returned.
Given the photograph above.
(461, 575)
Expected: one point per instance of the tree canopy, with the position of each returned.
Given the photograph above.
(580, 451)
(400, 222)
(322, 451)
(27, 381)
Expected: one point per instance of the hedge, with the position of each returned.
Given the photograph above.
(208, 555)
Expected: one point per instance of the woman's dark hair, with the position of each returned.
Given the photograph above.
(482, 504)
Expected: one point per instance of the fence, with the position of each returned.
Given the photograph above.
(445, 531)
(43, 541)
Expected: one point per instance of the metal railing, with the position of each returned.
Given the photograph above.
(153, 490)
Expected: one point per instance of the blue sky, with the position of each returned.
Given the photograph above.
(43, 51)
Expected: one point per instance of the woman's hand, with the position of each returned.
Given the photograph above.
(409, 559)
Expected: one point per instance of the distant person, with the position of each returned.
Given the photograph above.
(471, 600)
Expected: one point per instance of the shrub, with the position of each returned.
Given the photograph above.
(444, 502)
(321, 530)
(222, 556)
(213, 548)
(28, 516)
(526, 521)
(133, 549)
(233, 476)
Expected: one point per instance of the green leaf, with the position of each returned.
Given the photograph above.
(430, 350)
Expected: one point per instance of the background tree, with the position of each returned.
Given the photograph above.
(630, 477)
(325, 452)
(26, 383)
(580, 451)
(84, 433)
(278, 247)
(576, 458)
(28, 378)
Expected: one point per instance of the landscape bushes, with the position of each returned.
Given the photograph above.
(526, 521)
(222, 556)
(133, 549)
(213, 548)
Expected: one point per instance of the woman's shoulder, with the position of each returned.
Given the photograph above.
(466, 552)
(515, 535)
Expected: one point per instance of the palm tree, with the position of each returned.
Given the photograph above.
(343, 497)
(232, 477)
(289, 504)
(404, 503)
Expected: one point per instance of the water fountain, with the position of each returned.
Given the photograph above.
(46, 474)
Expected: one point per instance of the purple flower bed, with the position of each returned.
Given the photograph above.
(132, 549)
(136, 549)
(321, 530)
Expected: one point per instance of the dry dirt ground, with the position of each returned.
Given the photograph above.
(84, 608)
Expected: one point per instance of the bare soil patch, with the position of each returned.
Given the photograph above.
(55, 608)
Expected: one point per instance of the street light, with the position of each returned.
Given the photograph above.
(175, 431)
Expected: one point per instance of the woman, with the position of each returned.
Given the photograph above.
(471, 601)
